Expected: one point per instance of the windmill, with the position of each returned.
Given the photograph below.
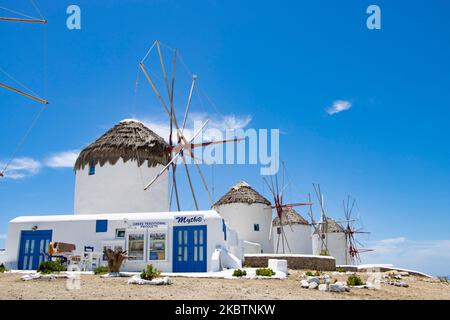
(315, 224)
(280, 208)
(26, 92)
(351, 231)
(179, 146)
(23, 19)
(321, 226)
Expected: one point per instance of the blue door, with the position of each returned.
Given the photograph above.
(189, 249)
(33, 248)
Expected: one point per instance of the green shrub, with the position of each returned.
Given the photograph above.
(265, 272)
(2, 268)
(313, 274)
(354, 280)
(50, 267)
(239, 273)
(340, 269)
(101, 270)
(324, 253)
(150, 273)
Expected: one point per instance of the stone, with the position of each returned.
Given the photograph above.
(313, 285)
(313, 279)
(304, 284)
(323, 287)
(156, 281)
(401, 284)
(338, 287)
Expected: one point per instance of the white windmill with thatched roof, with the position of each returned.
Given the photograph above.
(249, 214)
(297, 233)
(329, 237)
(110, 173)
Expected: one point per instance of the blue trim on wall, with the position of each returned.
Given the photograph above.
(101, 226)
(224, 229)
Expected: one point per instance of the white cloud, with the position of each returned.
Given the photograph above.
(338, 106)
(3, 236)
(430, 256)
(25, 167)
(20, 168)
(229, 122)
(64, 159)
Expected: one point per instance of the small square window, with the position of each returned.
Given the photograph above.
(101, 226)
(91, 168)
(256, 227)
(120, 233)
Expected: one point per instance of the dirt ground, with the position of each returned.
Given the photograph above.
(94, 287)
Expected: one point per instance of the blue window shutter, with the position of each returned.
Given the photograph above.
(224, 229)
(101, 226)
(91, 168)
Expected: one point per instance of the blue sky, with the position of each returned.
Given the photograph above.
(279, 65)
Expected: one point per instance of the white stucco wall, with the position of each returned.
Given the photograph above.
(337, 247)
(120, 188)
(299, 238)
(80, 230)
(241, 217)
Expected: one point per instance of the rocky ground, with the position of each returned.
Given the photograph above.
(95, 287)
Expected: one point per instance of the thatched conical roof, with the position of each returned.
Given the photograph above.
(242, 193)
(129, 140)
(332, 227)
(289, 216)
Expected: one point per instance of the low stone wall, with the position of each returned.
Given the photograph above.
(294, 261)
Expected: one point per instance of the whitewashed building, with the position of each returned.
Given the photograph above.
(333, 240)
(197, 241)
(250, 215)
(112, 210)
(110, 173)
(297, 231)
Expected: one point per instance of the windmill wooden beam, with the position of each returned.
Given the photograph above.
(291, 205)
(23, 20)
(30, 96)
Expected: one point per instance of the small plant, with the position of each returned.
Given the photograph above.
(443, 279)
(265, 272)
(101, 270)
(324, 252)
(150, 273)
(47, 267)
(239, 273)
(2, 268)
(354, 280)
(309, 273)
(340, 270)
(317, 274)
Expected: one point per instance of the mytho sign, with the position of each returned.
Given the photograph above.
(189, 219)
